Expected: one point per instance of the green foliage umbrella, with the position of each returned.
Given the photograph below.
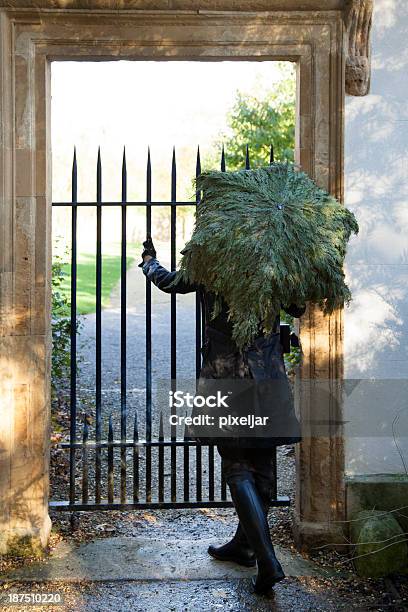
(267, 237)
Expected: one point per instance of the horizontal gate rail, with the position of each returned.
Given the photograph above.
(158, 203)
(129, 444)
(120, 472)
(281, 501)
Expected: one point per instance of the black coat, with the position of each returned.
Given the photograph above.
(262, 362)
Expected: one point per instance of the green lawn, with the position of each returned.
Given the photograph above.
(86, 275)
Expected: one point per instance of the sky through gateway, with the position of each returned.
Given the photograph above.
(141, 103)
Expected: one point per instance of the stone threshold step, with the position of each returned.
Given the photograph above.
(129, 558)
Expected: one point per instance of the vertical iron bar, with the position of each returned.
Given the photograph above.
(274, 465)
(211, 472)
(161, 460)
(123, 407)
(135, 461)
(173, 336)
(199, 470)
(223, 481)
(197, 303)
(73, 331)
(186, 470)
(200, 334)
(275, 482)
(247, 164)
(98, 347)
(85, 470)
(110, 461)
(148, 339)
(275, 477)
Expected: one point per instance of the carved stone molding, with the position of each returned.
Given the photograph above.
(188, 5)
(358, 18)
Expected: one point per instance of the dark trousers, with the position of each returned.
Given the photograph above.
(255, 464)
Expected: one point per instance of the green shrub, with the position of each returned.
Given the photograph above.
(293, 358)
(61, 329)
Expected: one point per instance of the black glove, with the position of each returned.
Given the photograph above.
(148, 249)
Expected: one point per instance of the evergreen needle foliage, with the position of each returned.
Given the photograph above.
(267, 237)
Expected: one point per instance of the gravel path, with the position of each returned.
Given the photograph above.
(136, 342)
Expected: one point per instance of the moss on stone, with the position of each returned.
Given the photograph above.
(25, 546)
(381, 546)
(386, 492)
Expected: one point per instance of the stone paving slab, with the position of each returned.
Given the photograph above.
(124, 558)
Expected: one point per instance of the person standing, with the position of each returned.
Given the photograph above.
(248, 463)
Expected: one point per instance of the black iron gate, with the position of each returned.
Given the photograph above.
(128, 472)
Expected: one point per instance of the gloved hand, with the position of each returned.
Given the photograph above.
(148, 249)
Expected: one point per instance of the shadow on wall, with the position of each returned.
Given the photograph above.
(24, 442)
(23, 524)
(376, 166)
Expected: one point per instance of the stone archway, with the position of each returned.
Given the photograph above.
(43, 31)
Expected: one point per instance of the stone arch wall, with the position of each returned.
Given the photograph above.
(93, 29)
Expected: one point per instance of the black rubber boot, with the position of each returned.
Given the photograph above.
(251, 513)
(237, 550)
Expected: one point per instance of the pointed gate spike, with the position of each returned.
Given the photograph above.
(223, 159)
(271, 156)
(247, 164)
